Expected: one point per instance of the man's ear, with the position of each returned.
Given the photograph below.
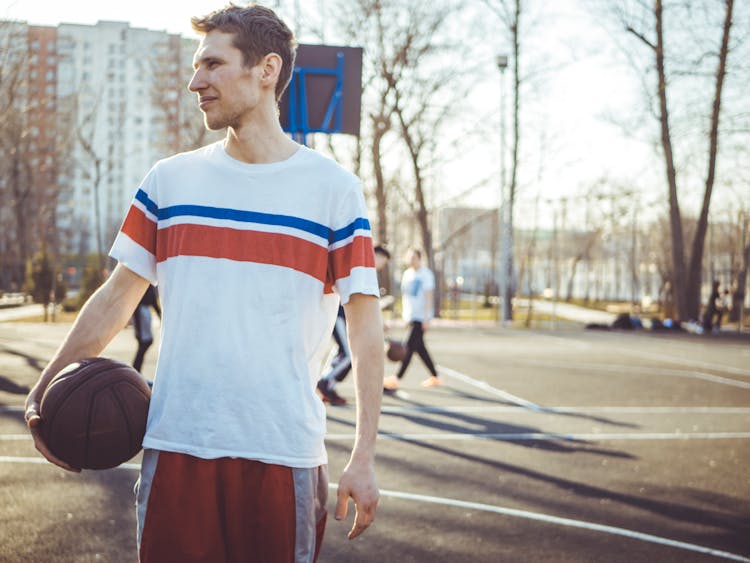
(270, 69)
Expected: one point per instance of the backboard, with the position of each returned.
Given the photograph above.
(324, 95)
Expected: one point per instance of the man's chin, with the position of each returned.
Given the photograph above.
(214, 125)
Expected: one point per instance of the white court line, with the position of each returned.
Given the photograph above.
(545, 436)
(505, 511)
(643, 370)
(486, 387)
(688, 362)
(569, 522)
(550, 410)
(569, 410)
(515, 436)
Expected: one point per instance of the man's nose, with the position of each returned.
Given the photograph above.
(197, 82)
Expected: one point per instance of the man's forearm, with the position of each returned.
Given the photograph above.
(366, 343)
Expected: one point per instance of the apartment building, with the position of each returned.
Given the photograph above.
(104, 103)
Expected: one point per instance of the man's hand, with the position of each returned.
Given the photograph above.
(34, 422)
(358, 482)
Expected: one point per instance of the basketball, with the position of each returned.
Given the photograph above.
(396, 350)
(94, 413)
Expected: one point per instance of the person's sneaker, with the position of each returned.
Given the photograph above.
(431, 381)
(391, 383)
(329, 395)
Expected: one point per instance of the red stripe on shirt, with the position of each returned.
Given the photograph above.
(358, 253)
(140, 228)
(242, 246)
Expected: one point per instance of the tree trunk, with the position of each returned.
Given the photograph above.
(675, 218)
(511, 285)
(571, 278)
(380, 127)
(694, 279)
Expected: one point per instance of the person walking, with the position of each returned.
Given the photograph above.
(417, 290)
(712, 307)
(253, 242)
(142, 324)
(341, 364)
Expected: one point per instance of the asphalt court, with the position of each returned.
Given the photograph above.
(540, 446)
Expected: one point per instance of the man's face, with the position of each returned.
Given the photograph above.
(228, 91)
(380, 261)
(414, 260)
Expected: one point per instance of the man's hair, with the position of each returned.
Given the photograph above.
(380, 249)
(417, 252)
(257, 32)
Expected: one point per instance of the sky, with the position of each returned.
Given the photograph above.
(572, 106)
(170, 15)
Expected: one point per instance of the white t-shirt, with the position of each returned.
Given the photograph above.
(251, 261)
(414, 286)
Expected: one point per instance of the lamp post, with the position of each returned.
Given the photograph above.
(504, 305)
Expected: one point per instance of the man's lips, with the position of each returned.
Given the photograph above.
(206, 100)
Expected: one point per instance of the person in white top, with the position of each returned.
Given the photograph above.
(417, 291)
(253, 243)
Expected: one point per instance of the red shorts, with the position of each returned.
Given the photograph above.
(228, 510)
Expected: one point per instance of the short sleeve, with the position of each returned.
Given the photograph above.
(351, 260)
(428, 280)
(135, 244)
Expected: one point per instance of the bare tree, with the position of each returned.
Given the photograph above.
(97, 166)
(414, 81)
(425, 96)
(180, 117)
(15, 183)
(648, 24)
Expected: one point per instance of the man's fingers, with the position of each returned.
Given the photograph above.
(34, 422)
(342, 503)
(364, 517)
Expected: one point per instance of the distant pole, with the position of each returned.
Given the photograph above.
(504, 305)
(743, 246)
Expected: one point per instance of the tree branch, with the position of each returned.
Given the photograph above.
(640, 36)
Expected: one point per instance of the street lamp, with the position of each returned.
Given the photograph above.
(504, 303)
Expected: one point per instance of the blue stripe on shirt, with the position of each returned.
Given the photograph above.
(306, 225)
(144, 199)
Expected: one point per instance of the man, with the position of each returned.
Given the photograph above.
(249, 241)
(417, 290)
(341, 364)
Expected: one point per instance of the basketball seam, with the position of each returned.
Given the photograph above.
(116, 396)
(49, 423)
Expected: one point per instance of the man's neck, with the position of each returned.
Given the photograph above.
(259, 141)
